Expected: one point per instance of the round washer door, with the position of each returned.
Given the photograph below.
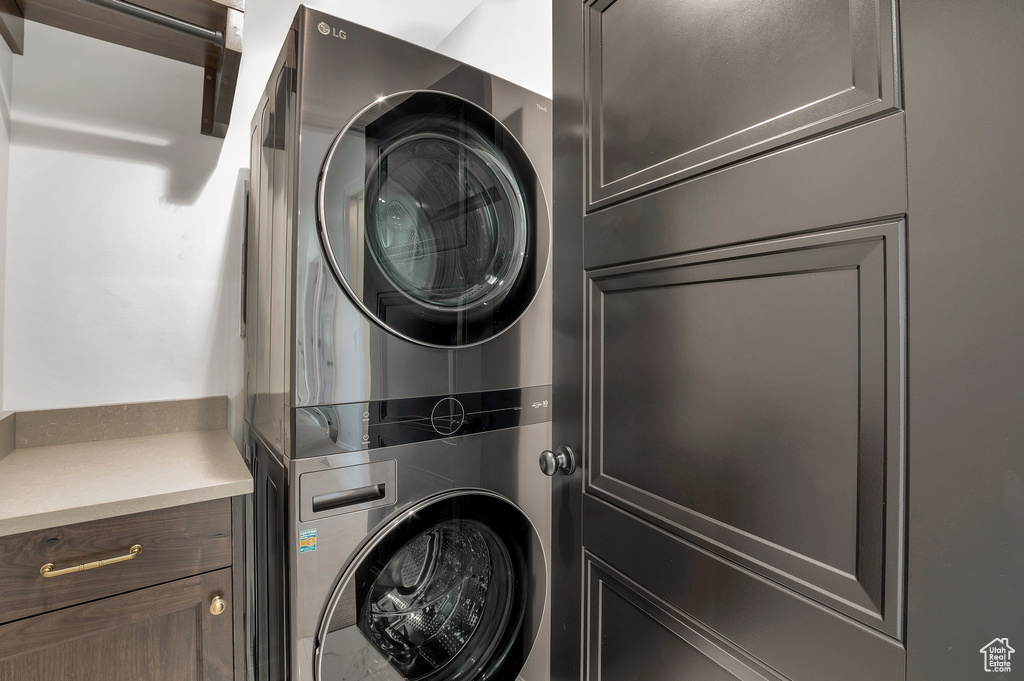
(433, 219)
(452, 589)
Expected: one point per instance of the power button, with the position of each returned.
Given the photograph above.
(448, 416)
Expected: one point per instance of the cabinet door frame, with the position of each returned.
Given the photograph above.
(215, 645)
(873, 90)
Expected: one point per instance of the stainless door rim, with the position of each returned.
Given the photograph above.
(325, 241)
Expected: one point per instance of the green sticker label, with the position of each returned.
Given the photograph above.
(307, 540)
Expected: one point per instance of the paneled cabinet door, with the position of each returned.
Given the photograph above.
(156, 634)
(730, 362)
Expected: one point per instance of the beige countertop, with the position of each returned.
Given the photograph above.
(49, 486)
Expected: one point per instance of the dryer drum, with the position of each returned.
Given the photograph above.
(446, 595)
(445, 220)
(451, 590)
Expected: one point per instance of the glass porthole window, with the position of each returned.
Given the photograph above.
(443, 593)
(433, 219)
(446, 221)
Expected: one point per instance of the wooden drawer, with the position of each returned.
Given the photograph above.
(176, 543)
(163, 633)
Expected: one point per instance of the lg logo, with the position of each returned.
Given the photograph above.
(324, 28)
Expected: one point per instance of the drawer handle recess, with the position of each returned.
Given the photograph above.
(50, 570)
(350, 497)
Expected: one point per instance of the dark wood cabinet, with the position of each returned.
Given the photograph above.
(161, 632)
(175, 543)
(167, 613)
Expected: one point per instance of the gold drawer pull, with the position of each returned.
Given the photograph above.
(49, 570)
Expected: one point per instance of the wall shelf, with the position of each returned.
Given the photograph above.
(119, 22)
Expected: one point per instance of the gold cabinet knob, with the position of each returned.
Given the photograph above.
(218, 605)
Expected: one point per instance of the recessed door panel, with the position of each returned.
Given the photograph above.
(743, 398)
(794, 635)
(681, 87)
(627, 624)
(746, 405)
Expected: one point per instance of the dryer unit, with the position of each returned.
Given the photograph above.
(399, 230)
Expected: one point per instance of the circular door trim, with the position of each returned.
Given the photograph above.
(371, 542)
(336, 270)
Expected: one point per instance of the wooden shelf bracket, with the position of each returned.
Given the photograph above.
(206, 33)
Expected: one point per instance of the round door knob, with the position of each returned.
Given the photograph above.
(218, 605)
(562, 460)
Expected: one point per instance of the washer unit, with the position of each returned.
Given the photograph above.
(398, 365)
(422, 561)
(399, 233)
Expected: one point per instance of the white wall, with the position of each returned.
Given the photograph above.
(123, 231)
(124, 224)
(509, 38)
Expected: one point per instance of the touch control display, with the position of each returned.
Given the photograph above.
(386, 423)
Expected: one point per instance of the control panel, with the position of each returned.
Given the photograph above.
(387, 423)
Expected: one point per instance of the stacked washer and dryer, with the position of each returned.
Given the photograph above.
(398, 357)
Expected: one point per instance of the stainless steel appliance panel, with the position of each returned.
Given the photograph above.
(503, 462)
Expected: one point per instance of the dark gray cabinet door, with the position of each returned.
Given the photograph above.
(730, 340)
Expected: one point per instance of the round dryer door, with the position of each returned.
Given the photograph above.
(452, 589)
(433, 219)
